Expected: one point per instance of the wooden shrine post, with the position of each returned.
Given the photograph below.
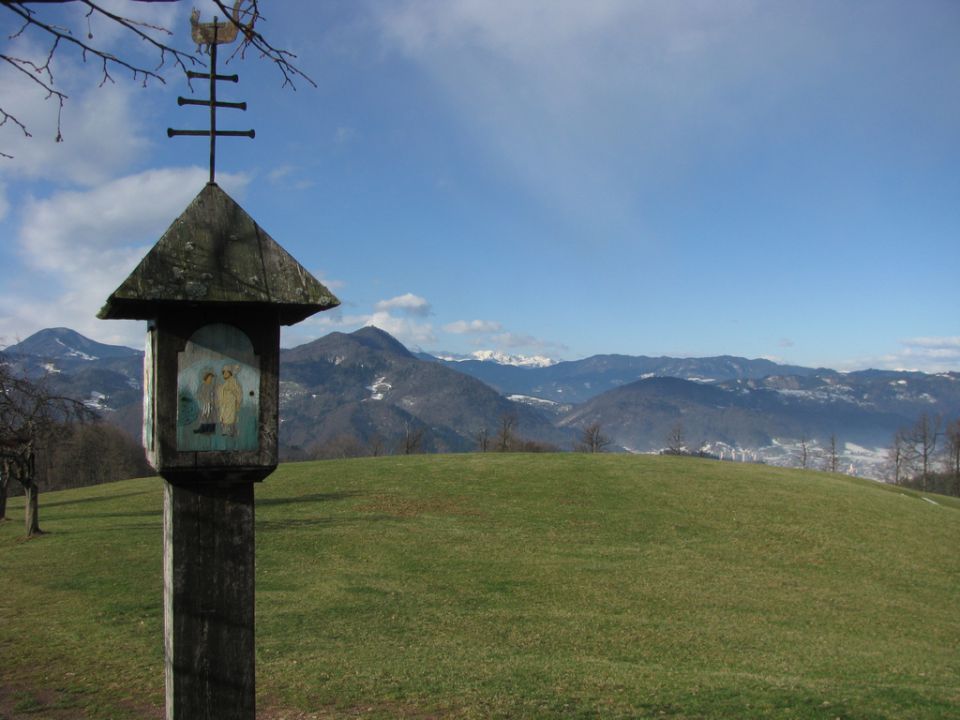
(215, 290)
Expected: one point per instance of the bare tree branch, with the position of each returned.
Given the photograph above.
(137, 28)
(249, 16)
(22, 66)
(40, 70)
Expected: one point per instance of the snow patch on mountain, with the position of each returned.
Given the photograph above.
(97, 401)
(834, 393)
(379, 388)
(291, 391)
(73, 352)
(535, 401)
(500, 358)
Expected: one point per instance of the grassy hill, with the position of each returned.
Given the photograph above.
(514, 586)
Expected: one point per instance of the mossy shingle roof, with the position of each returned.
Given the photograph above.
(215, 253)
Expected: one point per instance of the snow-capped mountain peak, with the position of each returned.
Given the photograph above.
(64, 344)
(497, 357)
(502, 358)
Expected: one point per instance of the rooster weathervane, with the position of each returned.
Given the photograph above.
(212, 33)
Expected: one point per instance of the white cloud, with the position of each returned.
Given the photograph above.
(472, 327)
(103, 120)
(408, 303)
(101, 134)
(923, 354)
(517, 341)
(414, 332)
(290, 177)
(588, 107)
(573, 99)
(932, 354)
(410, 332)
(74, 228)
(280, 173)
(318, 325)
(935, 344)
(84, 243)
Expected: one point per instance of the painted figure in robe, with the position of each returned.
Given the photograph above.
(207, 399)
(230, 397)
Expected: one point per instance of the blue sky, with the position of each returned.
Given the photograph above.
(549, 177)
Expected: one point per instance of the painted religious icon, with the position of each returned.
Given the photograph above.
(218, 381)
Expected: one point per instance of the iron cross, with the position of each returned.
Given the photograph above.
(213, 104)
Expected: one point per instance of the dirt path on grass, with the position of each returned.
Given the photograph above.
(24, 703)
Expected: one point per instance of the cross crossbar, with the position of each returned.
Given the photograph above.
(213, 104)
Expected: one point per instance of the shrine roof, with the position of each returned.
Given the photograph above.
(216, 253)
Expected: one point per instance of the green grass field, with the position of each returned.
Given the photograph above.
(514, 586)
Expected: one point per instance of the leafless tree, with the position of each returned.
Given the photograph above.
(923, 440)
(32, 418)
(483, 440)
(803, 451)
(952, 435)
(36, 20)
(412, 441)
(592, 439)
(676, 440)
(376, 445)
(506, 436)
(897, 457)
(831, 458)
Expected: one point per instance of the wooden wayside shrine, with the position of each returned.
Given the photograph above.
(215, 290)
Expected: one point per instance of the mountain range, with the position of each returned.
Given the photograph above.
(581, 380)
(367, 391)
